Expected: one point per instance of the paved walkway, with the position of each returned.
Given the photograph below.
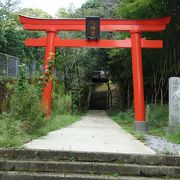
(95, 132)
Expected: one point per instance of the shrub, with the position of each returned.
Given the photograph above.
(61, 100)
(10, 131)
(25, 103)
(158, 116)
(25, 120)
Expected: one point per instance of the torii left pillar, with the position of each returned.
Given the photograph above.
(49, 56)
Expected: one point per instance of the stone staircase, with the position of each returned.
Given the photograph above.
(51, 165)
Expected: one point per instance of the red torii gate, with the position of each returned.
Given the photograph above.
(134, 27)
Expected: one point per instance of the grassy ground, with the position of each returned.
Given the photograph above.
(12, 135)
(158, 120)
(23, 119)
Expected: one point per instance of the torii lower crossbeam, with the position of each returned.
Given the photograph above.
(79, 43)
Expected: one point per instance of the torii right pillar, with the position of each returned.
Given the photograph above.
(138, 83)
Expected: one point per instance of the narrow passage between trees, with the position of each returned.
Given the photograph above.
(99, 95)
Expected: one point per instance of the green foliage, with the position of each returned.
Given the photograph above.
(65, 13)
(124, 119)
(158, 116)
(26, 120)
(101, 8)
(174, 137)
(11, 41)
(146, 8)
(61, 100)
(25, 115)
(91, 4)
(158, 121)
(137, 9)
(12, 133)
(12, 35)
(56, 122)
(25, 103)
(36, 12)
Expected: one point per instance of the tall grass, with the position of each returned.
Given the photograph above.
(25, 103)
(174, 137)
(55, 123)
(10, 131)
(158, 121)
(25, 120)
(61, 100)
(124, 119)
(25, 115)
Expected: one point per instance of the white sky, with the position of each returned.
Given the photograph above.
(51, 6)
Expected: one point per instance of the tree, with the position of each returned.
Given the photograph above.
(34, 12)
(159, 65)
(9, 5)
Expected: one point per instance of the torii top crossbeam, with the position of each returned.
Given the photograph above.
(150, 25)
(108, 25)
(135, 42)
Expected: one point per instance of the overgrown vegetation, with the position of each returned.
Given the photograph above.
(174, 138)
(25, 119)
(13, 134)
(62, 100)
(25, 102)
(158, 121)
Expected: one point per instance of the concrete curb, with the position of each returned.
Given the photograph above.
(54, 176)
(146, 159)
(90, 167)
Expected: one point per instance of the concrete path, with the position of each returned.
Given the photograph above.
(95, 132)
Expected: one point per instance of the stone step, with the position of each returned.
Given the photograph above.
(14, 175)
(46, 155)
(99, 168)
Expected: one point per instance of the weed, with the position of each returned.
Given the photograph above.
(25, 120)
(139, 136)
(56, 122)
(174, 137)
(158, 120)
(115, 176)
(72, 159)
(125, 119)
(167, 177)
(62, 100)
(25, 103)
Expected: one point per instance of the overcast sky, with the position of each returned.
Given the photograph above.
(51, 6)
